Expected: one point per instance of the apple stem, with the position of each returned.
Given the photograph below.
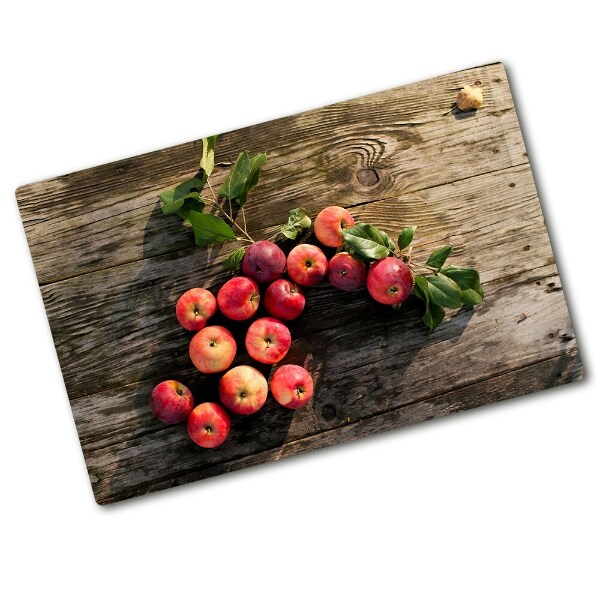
(416, 264)
(243, 217)
(228, 216)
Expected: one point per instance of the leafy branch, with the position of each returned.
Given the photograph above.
(187, 201)
(445, 287)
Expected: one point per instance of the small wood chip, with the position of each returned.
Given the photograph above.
(469, 98)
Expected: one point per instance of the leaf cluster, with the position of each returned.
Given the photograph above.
(298, 221)
(243, 177)
(186, 201)
(366, 242)
(450, 286)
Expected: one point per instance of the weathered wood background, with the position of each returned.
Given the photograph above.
(111, 267)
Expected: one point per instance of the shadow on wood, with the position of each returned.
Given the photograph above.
(462, 114)
(355, 368)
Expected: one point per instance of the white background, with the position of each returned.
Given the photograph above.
(501, 502)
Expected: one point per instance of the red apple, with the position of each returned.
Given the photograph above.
(306, 265)
(212, 349)
(263, 261)
(243, 390)
(329, 225)
(346, 272)
(284, 300)
(292, 386)
(171, 402)
(390, 280)
(268, 340)
(208, 425)
(238, 298)
(194, 308)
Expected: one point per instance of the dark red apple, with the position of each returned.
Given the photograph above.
(346, 272)
(263, 261)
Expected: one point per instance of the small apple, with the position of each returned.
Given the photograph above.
(390, 280)
(212, 349)
(306, 265)
(292, 386)
(243, 390)
(284, 300)
(194, 308)
(208, 425)
(329, 225)
(268, 340)
(346, 272)
(238, 298)
(264, 261)
(171, 402)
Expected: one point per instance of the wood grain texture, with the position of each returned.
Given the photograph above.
(98, 218)
(110, 276)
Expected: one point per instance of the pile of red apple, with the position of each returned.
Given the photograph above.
(243, 389)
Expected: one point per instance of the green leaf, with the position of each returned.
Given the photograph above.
(207, 162)
(256, 162)
(470, 297)
(464, 276)
(298, 220)
(478, 289)
(421, 288)
(437, 259)
(468, 281)
(234, 183)
(175, 198)
(209, 229)
(443, 291)
(192, 203)
(243, 177)
(406, 237)
(367, 242)
(386, 238)
(434, 314)
(232, 262)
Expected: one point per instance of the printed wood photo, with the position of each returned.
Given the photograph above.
(111, 267)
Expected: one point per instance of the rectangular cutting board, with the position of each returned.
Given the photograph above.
(111, 267)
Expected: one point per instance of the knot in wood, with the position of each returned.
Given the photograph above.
(328, 412)
(367, 177)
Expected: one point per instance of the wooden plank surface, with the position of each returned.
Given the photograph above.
(110, 276)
